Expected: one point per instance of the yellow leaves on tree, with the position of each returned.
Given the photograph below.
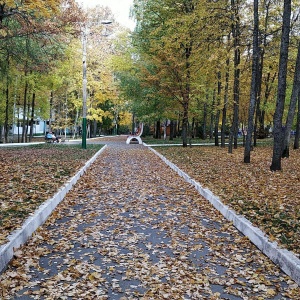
(38, 16)
(95, 114)
(125, 118)
(38, 8)
(42, 8)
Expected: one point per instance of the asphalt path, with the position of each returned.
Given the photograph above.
(131, 228)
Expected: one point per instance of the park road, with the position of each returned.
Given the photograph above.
(131, 228)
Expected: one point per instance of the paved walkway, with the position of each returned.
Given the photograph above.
(131, 228)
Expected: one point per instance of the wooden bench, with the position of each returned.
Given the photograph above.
(136, 138)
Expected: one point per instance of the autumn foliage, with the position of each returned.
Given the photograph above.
(31, 175)
(268, 199)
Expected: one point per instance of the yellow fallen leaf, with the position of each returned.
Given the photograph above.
(271, 292)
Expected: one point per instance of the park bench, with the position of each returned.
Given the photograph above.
(48, 139)
(136, 138)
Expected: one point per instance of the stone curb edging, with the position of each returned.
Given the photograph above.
(20, 144)
(285, 259)
(20, 236)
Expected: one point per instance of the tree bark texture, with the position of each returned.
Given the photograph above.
(281, 93)
(204, 121)
(32, 116)
(224, 110)
(185, 121)
(212, 117)
(217, 118)
(292, 107)
(157, 131)
(297, 135)
(254, 81)
(24, 111)
(6, 128)
(236, 80)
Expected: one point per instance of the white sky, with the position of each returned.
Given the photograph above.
(120, 9)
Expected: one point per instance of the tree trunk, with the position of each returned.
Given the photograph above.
(254, 81)
(165, 129)
(212, 117)
(186, 88)
(185, 121)
(224, 110)
(27, 121)
(6, 128)
(282, 74)
(75, 127)
(95, 129)
(50, 112)
(236, 80)
(24, 133)
(292, 107)
(171, 130)
(193, 128)
(259, 131)
(297, 135)
(19, 123)
(178, 126)
(236, 88)
(204, 122)
(211, 126)
(244, 136)
(157, 131)
(32, 116)
(217, 118)
(268, 87)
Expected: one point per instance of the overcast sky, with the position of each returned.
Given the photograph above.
(120, 9)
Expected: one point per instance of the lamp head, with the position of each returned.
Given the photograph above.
(106, 22)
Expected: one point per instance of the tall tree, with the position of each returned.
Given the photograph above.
(259, 126)
(292, 107)
(34, 34)
(171, 49)
(236, 34)
(281, 93)
(254, 81)
(225, 104)
(217, 116)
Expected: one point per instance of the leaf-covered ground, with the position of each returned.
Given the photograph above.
(130, 229)
(31, 175)
(270, 200)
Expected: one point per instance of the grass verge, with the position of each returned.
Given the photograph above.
(30, 175)
(270, 200)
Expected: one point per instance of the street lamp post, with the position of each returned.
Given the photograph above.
(84, 81)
